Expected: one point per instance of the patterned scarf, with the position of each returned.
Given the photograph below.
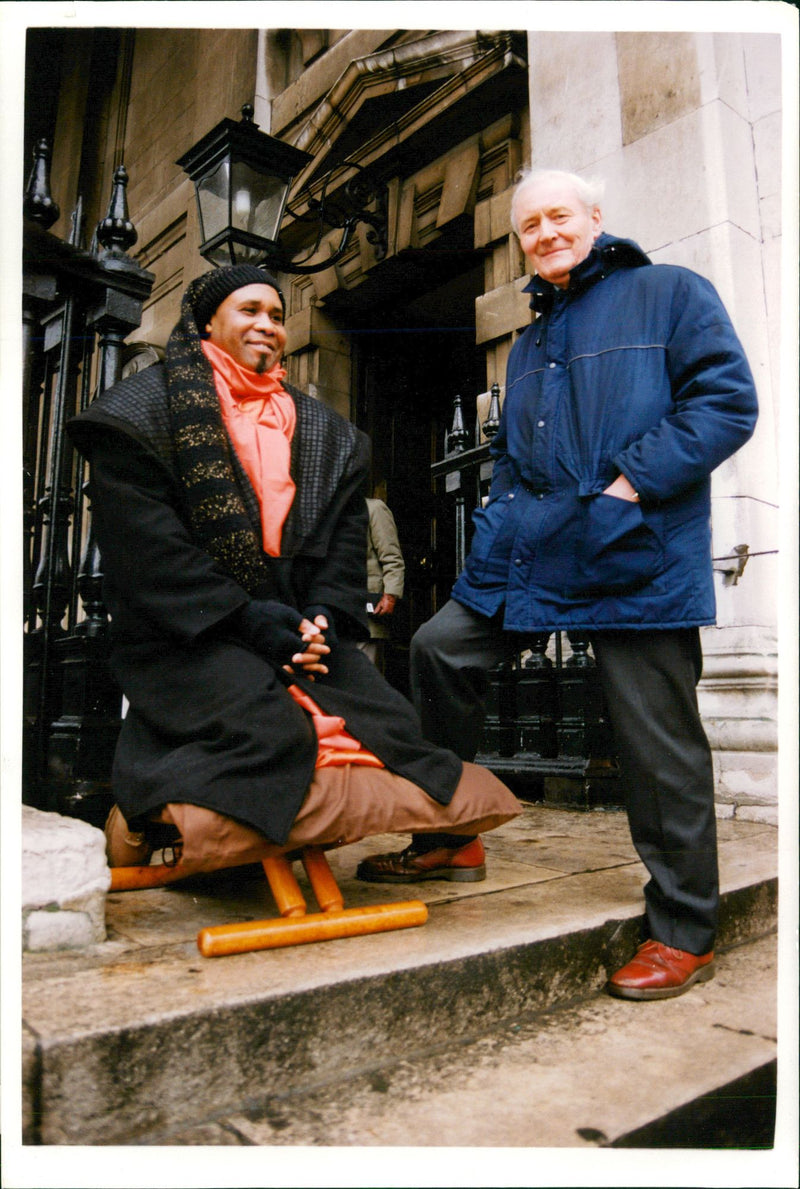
(260, 417)
(216, 508)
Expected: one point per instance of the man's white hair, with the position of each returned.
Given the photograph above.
(590, 191)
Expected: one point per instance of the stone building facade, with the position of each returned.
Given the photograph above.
(685, 128)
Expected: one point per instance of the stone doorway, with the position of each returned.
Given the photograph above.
(408, 365)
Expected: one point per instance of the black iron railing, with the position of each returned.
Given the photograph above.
(78, 306)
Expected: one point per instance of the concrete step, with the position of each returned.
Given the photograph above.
(693, 1072)
(138, 1039)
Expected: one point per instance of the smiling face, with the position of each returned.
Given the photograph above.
(248, 324)
(556, 230)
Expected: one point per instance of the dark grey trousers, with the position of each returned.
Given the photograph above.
(649, 679)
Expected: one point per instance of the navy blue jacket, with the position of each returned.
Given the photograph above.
(634, 369)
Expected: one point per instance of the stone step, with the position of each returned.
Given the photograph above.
(694, 1072)
(140, 1037)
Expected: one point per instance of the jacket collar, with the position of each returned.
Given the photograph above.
(608, 254)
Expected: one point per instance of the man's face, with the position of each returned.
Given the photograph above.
(556, 230)
(248, 324)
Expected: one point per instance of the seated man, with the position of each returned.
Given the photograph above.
(230, 513)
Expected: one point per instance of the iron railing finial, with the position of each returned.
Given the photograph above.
(38, 204)
(116, 232)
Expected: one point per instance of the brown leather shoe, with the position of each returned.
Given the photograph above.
(466, 864)
(125, 847)
(660, 972)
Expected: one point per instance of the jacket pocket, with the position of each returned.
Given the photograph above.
(491, 540)
(616, 549)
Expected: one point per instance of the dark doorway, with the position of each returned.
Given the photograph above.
(410, 363)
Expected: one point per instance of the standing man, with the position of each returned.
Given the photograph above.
(385, 576)
(622, 397)
(230, 512)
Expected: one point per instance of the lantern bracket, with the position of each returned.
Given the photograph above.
(242, 180)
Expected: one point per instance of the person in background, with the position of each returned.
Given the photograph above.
(625, 393)
(230, 512)
(385, 577)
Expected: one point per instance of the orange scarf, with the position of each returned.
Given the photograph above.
(260, 418)
(334, 744)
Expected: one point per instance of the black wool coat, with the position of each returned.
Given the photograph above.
(210, 721)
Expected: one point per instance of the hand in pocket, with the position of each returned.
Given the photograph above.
(617, 550)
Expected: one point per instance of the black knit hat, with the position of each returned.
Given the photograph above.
(207, 292)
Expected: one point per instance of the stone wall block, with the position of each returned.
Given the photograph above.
(502, 311)
(765, 814)
(460, 184)
(751, 522)
(659, 80)
(573, 73)
(327, 280)
(772, 255)
(649, 197)
(497, 354)
(492, 218)
(311, 328)
(771, 223)
(750, 734)
(762, 56)
(500, 213)
(406, 228)
(748, 781)
(722, 70)
(65, 878)
(482, 223)
(298, 331)
(366, 250)
(61, 929)
(180, 208)
(767, 139)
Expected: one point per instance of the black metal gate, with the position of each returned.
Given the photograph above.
(78, 306)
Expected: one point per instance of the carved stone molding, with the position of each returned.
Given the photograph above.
(456, 62)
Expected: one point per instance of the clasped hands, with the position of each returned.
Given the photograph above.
(286, 637)
(315, 647)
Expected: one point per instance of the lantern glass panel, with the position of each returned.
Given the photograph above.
(212, 196)
(257, 201)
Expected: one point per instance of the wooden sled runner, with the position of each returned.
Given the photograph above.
(295, 925)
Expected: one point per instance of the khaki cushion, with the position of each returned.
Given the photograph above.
(343, 805)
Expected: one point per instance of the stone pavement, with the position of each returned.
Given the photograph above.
(140, 1040)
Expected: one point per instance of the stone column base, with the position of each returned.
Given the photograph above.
(738, 701)
(65, 878)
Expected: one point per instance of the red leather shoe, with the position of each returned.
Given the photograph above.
(660, 972)
(463, 865)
